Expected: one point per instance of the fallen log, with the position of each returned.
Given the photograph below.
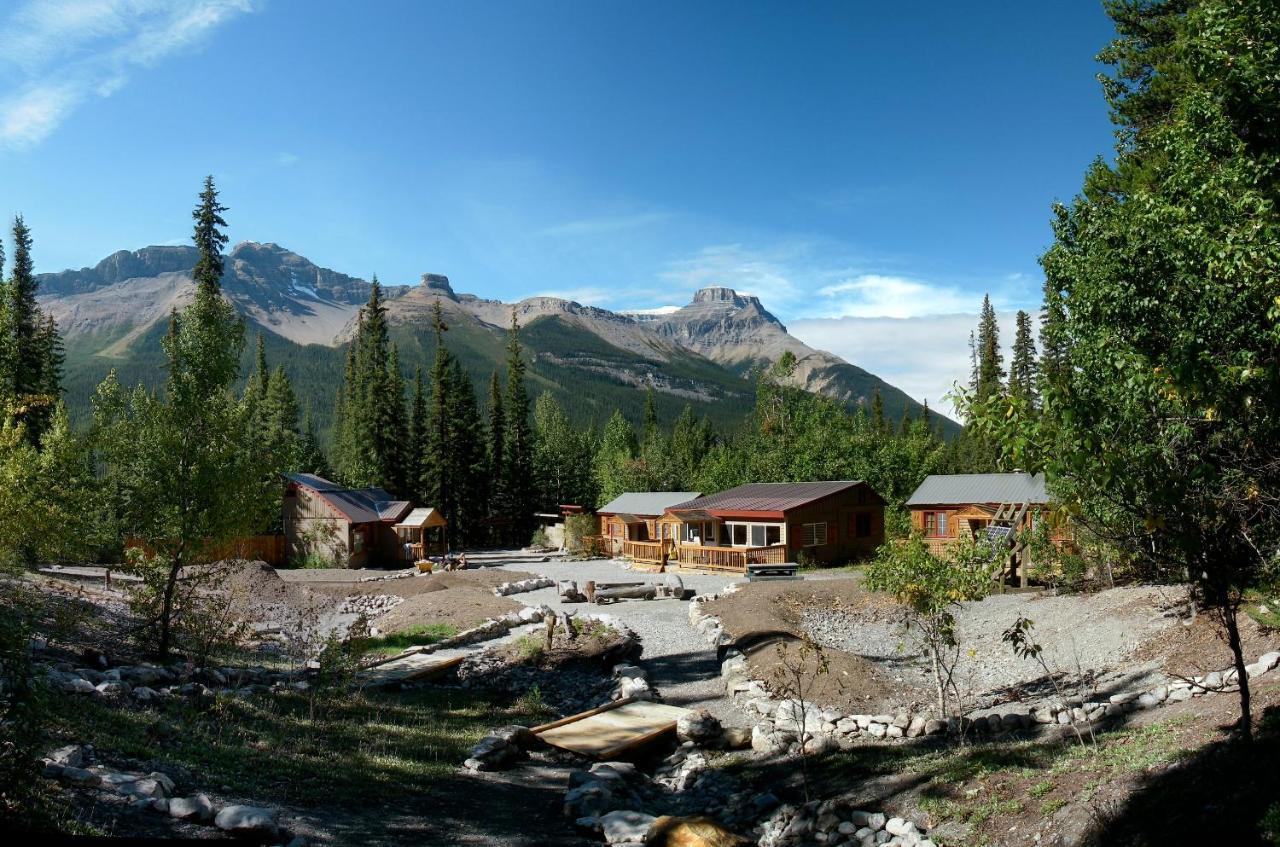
(636, 592)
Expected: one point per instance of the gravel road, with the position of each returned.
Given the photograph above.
(681, 665)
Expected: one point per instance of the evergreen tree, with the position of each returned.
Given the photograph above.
(419, 440)
(30, 349)
(497, 435)
(1023, 379)
(439, 483)
(990, 359)
(614, 464)
(517, 445)
(468, 458)
(311, 458)
(1053, 339)
(877, 413)
(650, 415)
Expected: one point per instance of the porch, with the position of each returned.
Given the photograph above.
(731, 559)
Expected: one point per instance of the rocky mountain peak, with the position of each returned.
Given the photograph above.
(719, 294)
(438, 284)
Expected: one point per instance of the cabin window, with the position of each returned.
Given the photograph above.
(357, 541)
(862, 525)
(772, 535)
(814, 535)
(693, 533)
(738, 534)
(935, 524)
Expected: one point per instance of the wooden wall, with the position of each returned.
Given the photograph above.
(839, 513)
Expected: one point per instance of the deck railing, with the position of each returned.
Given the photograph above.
(645, 551)
(733, 559)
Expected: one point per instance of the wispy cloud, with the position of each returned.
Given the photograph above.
(56, 54)
(924, 356)
(776, 275)
(287, 160)
(607, 224)
(881, 296)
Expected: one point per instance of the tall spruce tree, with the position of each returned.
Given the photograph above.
(311, 457)
(1023, 377)
(30, 348)
(496, 438)
(467, 457)
(517, 444)
(990, 359)
(1053, 339)
(439, 482)
(419, 440)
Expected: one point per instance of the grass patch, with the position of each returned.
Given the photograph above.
(531, 647)
(414, 636)
(359, 744)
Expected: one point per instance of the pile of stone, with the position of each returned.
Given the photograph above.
(833, 822)
(150, 683)
(74, 765)
(501, 748)
(521, 586)
(369, 605)
(384, 578)
(631, 681)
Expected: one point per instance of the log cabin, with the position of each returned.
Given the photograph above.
(352, 527)
(632, 525)
(947, 508)
(775, 522)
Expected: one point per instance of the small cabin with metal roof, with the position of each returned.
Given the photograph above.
(351, 527)
(947, 508)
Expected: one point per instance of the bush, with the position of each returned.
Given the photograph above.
(578, 527)
(540, 539)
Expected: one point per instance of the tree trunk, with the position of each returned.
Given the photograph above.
(942, 692)
(166, 607)
(1232, 624)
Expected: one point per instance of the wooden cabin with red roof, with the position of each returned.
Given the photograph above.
(775, 522)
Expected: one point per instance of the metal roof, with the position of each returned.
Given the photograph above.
(768, 496)
(357, 505)
(964, 489)
(650, 503)
(423, 516)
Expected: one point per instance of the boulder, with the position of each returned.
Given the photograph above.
(1268, 661)
(669, 831)
(247, 821)
(700, 727)
(625, 826)
(736, 738)
(197, 807)
(71, 756)
(77, 685)
(79, 776)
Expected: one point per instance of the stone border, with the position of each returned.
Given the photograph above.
(506, 589)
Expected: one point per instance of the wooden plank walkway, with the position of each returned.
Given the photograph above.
(612, 730)
(412, 667)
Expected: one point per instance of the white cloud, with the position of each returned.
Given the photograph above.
(58, 53)
(287, 159)
(770, 275)
(880, 296)
(924, 356)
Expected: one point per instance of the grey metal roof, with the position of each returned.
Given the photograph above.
(649, 503)
(358, 505)
(964, 489)
(769, 496)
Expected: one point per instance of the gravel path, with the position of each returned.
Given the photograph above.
(1096, 632)
(681, 665)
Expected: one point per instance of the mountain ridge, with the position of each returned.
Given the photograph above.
(701, 351)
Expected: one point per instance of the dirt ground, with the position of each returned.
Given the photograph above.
(764, 616)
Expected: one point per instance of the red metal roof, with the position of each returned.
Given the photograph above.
(768, 496)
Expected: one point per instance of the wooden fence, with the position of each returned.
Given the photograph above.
(267, 548)
(734, 559)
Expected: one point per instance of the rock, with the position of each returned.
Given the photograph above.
(247, 820)
(700, 727)
(820, 744)
(1213, 681)
(197, 807)
(71, 756)
(916, 727)
(894, 731)
(78, 685)
(899, 826)
(79, 776)
(763, 738)
(933, 726)
(668, 831)
(877, 729)
(625, 826)
(520, 736)
(165, 781)
(144, 787)
(143, 694)
(1147, 700)
(872, 820)
(161, 805)
(530, 614)
(735, 738)
(1268, 661)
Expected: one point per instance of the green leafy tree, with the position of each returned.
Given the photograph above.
(614, 466)
(931, 588)
(1160, 434)
(562, 457)
(183, 478)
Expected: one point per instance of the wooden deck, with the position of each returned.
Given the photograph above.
(613, 730)
(731, 559)
(646, 551)
(411, 667)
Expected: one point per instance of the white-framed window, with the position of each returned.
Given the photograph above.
(753, 534)
(813, 535)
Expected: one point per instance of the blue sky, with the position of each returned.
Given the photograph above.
(868, 170)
